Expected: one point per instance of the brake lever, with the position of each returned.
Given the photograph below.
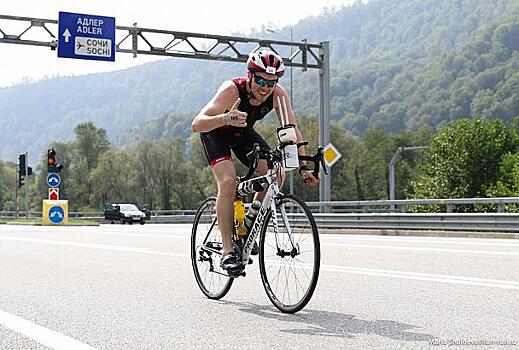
(320, 153)
(317, 159)
(253, 158)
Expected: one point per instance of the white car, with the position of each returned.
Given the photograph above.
(130, 213)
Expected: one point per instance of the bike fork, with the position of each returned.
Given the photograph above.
(286, 222)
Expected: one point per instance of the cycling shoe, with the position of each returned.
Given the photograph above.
(230, 261)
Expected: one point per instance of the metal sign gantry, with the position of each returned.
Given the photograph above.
(146, 41)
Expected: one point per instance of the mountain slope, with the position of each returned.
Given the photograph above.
(383, 54)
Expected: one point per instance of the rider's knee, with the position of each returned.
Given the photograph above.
(227, 186)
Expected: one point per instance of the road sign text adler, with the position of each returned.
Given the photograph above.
(90, 30)
(89, 22)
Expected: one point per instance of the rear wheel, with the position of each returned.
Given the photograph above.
(290, 268)
(206, 252)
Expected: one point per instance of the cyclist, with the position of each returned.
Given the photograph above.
(227, 122)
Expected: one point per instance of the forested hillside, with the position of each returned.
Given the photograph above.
(426, 62)
(396, 64)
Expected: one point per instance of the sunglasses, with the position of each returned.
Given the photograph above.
(265, 82)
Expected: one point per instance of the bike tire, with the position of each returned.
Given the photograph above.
(210, 277)
(274, 268)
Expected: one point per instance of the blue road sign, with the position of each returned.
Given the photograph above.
(87, 37)
(53, 180)
(56, 214)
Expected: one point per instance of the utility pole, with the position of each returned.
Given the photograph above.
(27, 187)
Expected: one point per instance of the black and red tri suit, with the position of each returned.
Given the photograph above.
(218, 143)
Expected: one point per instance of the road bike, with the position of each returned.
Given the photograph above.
(289, 249)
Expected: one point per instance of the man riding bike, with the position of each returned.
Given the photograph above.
(226, 123)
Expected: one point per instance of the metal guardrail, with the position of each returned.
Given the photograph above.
(403, 205)
(345, 215)
(499, 222)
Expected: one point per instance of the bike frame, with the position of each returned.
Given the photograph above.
(268, 204)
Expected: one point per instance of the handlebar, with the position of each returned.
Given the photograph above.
(317, 159)
(253, 158)
(275, 155)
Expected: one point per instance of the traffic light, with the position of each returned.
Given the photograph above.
(21, 170)
(51, 161)
(52, 167)
(21, 164)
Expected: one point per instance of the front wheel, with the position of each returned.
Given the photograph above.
(290, 267)
(206, 252)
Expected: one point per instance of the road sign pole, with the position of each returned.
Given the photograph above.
(27, 185)
(17, 203)
(324, 118)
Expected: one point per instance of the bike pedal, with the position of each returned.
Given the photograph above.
(236, 273)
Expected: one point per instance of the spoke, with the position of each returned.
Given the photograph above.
(277, 277)
(306, 251)
(297, 282)
(303, 269)
(286, 285)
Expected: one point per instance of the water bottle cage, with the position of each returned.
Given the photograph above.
(252, 186)
(289, 156)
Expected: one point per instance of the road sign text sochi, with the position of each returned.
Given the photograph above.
(93, 47)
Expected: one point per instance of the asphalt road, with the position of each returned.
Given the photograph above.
(132, 287)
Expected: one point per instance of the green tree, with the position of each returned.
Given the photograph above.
(90, 143)
(463, 159)
(113, 179)
(7, 185)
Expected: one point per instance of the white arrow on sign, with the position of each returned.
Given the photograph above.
(67, 35)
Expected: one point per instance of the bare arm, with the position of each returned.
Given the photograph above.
(281, 92)
(221, 110)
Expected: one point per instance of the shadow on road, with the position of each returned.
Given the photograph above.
(326, 323)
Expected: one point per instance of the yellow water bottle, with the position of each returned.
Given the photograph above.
(239, 217)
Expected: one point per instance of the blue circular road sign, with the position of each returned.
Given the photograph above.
(53, 180)
(56, 214)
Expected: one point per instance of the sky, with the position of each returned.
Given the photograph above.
(28, 63)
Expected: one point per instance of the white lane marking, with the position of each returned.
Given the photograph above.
(426, 240)
(474, 281)
(89, 245)
(148, 235)
(42, 335)
(391, 247)
(482, 282)
(329, 238)
(177, 235)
